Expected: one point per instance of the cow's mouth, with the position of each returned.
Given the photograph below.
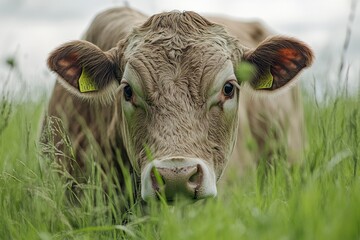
(191, 178)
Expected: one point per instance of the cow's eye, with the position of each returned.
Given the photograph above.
(128, 93)
(228, 89)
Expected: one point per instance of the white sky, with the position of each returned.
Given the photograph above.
(30, 29)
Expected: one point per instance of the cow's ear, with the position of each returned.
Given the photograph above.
(85, 70)
(276, 62)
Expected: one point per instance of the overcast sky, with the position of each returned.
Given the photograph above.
(30, 29)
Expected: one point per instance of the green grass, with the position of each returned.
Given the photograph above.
(318, 199)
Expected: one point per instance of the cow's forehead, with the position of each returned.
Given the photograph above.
(177, 46)
(200, 58)
(172, 34)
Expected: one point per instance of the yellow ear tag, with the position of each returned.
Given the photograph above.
(86, 83)
(265, 81)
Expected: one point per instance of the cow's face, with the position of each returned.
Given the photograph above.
(183, 110)
(176, 94)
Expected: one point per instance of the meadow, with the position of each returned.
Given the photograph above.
(315, 199)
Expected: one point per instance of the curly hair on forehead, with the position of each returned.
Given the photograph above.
(176, 32)
(186, 21)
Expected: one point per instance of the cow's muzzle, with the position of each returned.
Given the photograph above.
(190, 177)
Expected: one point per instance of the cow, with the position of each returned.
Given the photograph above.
(173, 97)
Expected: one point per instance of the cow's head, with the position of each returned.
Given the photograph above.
(176, 95)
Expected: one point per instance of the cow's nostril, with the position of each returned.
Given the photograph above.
(196, 178)
(157, 179)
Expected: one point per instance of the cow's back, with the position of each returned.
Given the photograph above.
(110, 26)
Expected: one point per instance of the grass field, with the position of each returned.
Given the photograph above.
(318, 199)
